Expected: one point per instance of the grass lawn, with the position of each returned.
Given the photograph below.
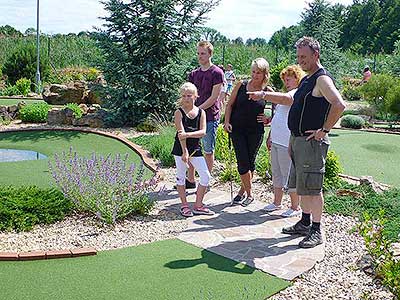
(367, 153)
(36, 172)
(169, 269)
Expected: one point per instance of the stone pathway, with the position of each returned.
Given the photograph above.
(246, 234)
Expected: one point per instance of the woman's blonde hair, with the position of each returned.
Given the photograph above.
(293, 70)
(262, 65)
(187, 87)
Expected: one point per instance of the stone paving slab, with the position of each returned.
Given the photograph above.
(246, 234)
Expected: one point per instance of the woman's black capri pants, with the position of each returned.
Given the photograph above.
(246, 147)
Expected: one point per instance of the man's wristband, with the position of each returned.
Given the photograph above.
(325, 130)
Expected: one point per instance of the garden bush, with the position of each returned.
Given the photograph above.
(23, 85)
(35, 113)
(107, 187)
(71, 74)
(376, 89)
(22, 64)
(351, 93)
(332, 171)
(358, 199)
(23, 207)
(159, 145)
(393, 101)
(226, 155)
(77, 112)
(386, 267)
(351, 121)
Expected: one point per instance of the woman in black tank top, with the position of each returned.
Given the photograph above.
(242, 124)
(190, 123)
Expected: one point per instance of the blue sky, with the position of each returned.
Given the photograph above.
(233, 18)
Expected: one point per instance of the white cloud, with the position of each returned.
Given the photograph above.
(233, 18)
(257, 18)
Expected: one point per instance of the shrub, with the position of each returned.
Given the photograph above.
(332, 171)
(23, 207)
(275, 79)
(77, 112)
(10, 90)
(351, 93)
(393, 101)
(35, 113)
(350, 121)
(23, 85)
(105, 186)
(263, 164)
(71, 74)
(225, 154)
(22, 64)
(375, 90)
(359, 199)
(159, 145)
(386, 267)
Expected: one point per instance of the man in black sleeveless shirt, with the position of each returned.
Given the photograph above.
(315, 108)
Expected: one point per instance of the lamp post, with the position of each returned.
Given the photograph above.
(38, 82)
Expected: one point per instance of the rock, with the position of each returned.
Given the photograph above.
(12, 108)
(58, 94)
(369, 181)
(21, 104)
(56, 116)
(84, 108)
(75, 92)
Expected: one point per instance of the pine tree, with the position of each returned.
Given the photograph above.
(318, 22)
(141, 43)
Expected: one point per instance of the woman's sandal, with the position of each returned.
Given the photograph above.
(202, 210)
(186, 211)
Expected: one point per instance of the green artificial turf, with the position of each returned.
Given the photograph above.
(7, 102)
(367, 153)
(36, 172)
(169, 269)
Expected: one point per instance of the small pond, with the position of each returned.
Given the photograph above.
(18, 155)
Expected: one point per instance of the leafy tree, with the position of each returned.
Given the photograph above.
(141, 43)
(375, 91)
(212, 35)
(285, 38)
(318, 21)
(8, 30)
(238, 41)
(30, 31)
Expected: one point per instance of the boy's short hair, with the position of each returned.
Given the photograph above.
(207, 45)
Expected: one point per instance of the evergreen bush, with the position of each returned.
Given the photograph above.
(351, 121)
(22, 64)
(332, 171)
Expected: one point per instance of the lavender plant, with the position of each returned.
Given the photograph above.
(108, 187)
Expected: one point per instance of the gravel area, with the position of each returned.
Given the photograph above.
(336, 277)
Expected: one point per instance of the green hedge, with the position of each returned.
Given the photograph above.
(35, 113)
(23, 207)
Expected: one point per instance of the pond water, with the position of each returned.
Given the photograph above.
(18, 155)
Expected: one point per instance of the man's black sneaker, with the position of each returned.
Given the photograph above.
(247, 201)
(314, 238)
(298, 228)
(190, 185)
(237, 200)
